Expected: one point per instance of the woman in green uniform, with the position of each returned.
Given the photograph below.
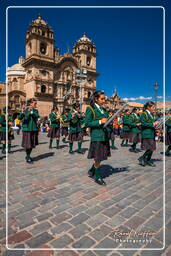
(126, 128)
(99, 149)
(148, 142)
(29, 118)
(54, 131)
(135, 134)
(65, 124)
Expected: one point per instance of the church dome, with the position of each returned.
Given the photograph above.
(84, 39)
(40, 21)
(17, 68)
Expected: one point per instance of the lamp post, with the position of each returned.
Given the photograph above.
(81, 76)
(156, 86)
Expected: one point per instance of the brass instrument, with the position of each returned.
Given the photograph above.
(161, 122)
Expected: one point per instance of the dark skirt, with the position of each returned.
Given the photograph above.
(29, 140)
(99, 150)
(135, 137)
(148, 144)
(53, 133)
(3, 136)
(126, 135)
(168, 138)
(64, 131)
(78, 136)
(111, 135)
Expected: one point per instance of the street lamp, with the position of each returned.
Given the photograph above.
(81, 75)
(156, 86)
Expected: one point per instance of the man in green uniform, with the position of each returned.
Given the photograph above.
(65, 124)
(75, 131)
(126, 128)
(29, 118)
(135, 134)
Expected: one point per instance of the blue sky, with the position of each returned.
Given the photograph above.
(129, 41)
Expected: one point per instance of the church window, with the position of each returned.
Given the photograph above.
(43, 33)
(88, 61)
(15, 80)
(43, 88)
(43, 72)
(43, 48)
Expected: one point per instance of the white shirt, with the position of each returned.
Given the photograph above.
(99, 108)
(149, 113)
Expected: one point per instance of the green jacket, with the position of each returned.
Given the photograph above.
(3, 122)
(54, 122)
(65, 122)
(134, 120)
(168, 125)
(126, 123)
(92, 120)
(29, 121)
(147, 126)
(74, 122)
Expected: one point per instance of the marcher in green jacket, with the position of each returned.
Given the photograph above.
(168, 134)
(135, 133)
(54, 131)
(75, 131)
(111, 131)
(99, 149)
(3, 120)
(29, 117)
(65, 124)
(126, 128)
(148, 142)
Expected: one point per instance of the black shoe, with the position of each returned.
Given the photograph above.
(141, 161)
(114, 148)
(91, 172)
(71, 152)
(167, 154)
(100, 181)
(29, 161)
(3, 152)
(132, 150)
(63, 140)
(150, 163)
(57, 147)
(80, 152)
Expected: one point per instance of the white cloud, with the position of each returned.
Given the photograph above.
(138, 98)
(160, 97)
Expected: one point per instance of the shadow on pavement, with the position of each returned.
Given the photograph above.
(37, 158)
(107, 170)
(43, 143)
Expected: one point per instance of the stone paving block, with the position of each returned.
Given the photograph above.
(44, 216)
(60, 218)
(94, 210)
(40, 228)
(82, 217)
(156, 223)
(85, 242)
(61, 228)
(107, 243)
(134, 222)
(78, 209)
(128, 212)
(62, 242)
(99, 233)
(96, 220)
(147, 212)
(79, 231)
(89, 253)
(112, 211)
(19, 237)
(115, 221)
(39, 240)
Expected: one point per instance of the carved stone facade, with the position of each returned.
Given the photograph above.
(48, 76)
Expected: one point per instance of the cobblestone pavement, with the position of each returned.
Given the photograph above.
(54, 204)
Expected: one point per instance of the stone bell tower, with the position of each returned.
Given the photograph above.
(39, 64)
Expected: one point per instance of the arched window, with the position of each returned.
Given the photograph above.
(43, 48)
(43, 88)
(88, 61)
(17, 98)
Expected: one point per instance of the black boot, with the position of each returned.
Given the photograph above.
(91, 171)
(50, 145)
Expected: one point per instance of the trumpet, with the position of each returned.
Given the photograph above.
(161, 122)
(58, 117)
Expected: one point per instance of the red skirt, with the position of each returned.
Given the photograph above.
(99, 150)
(30, 139)
(53, 133)
(148, 144)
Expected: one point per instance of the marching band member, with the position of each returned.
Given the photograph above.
(75, 131)
(6, 117)
(148, 142)
(168, 134)
(54, 131)
(99, 149)
(126, 128)
(111, 131)
(29, 118)
(135, 129)
(65, 124)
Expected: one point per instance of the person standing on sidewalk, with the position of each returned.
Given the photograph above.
(54, 131)
(99, 149)
(29, 118)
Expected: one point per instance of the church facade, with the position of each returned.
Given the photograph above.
(53, 79)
